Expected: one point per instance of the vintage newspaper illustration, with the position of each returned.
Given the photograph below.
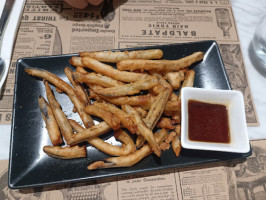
(235, 179)
(51, 27)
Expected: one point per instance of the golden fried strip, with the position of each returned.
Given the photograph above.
(65, 128)
(173, 97)
(166, 144)
(166, 123)
(178, 130)
(176, 116)
(162, 84)
(189, 81)
(50, 121)
(143, 113)
(93, 131)
(62, 85)
(139, 100)
(157, 109)
(66, 152)
(92, 88)
(79, 88)
(128, 89)
(76, 61)
(170, 137)
(115, 56)
(108, 70)
(127, 147)
(93, 78)
(160, 65)
(149, 102)
(131, 159)
(108, 117)
(175, 78)
(125, 118)
(176, 143)
(142, 129)
(81, 69)
(154, 114)
(173, 105)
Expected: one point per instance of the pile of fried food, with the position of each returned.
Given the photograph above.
(137, 99)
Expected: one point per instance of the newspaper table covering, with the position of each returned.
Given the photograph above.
(51, 27)
(237, 179)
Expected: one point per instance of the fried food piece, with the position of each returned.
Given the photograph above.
(93, 78)
(79, 88)
(173, 97)
(115, 56)
(65, 128)
(175, 78)
(131, 159)
(63, 86)
(50, 121)
(127, 147)
(170, 137)
(108, 70)
(93, 131)
(166, 144)
(176, 116)
(178, 130)
(154, 114)
(92, 88)
(108, 117)
(171, 105)
(160, 65)
(128, 89)
(189, 79)
(157, 109)
(125, 118)
(142, 129)
(66, 152)
(166, 123)
(162, 84)
(143, 113)
(76, 61)
(157, 89)
(139, 100)
(176, 143)
(81, 69)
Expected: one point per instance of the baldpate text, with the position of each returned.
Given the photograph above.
(168, 32)
(161, 28)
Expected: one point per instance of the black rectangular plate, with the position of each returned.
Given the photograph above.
(30, 167)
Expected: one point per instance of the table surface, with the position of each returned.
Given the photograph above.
(247, 15)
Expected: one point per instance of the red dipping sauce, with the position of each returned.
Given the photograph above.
(208, 122)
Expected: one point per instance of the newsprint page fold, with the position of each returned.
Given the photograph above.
(51, 27)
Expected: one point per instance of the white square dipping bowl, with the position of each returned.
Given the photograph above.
(239, 141)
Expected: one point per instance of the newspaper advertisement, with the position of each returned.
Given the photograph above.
(51, 27)
(243, 178)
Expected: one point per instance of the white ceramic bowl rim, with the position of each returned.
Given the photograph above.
(236, 113)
